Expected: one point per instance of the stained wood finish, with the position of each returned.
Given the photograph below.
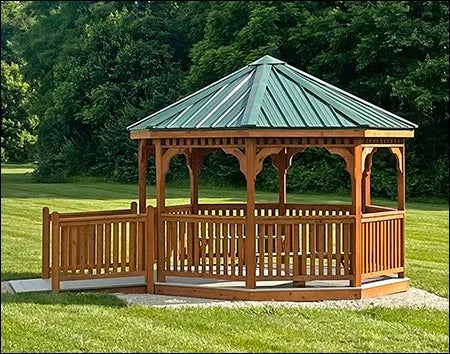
(142, 171)
(382, 241)
(85, 247)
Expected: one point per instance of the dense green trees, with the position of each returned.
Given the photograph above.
(95, 67)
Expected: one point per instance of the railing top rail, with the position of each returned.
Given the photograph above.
(77, 214)
(203, 218)
(317, 219)
(91, 220)
(394, 214)
(181, 206)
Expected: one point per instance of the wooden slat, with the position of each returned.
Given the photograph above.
(346, 235)
(329, 249)
(312, 248)
(278, 248)
(296, 243)
(116, 247)
(320, 246)
(304, 249)
(99, 258)
(233, 248)
(217, 247)
(210, 247)
(202, 250)
(226, 238)
(270, 243)
(338, 248)
(287, 249)
(108, 248)
(140, 245)
(123, 246)
(182, 245)
(91, 248)
(175, 234)
(196, 247)
(82, 248)
(64, 249)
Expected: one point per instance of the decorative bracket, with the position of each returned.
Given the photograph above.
(346, 154)
(399, 156)
(239, 155)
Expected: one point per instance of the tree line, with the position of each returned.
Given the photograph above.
(75, 74)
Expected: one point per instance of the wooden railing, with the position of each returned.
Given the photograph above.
(383, 243)
(310, 242)
(272, 209)
(212, 243)
(96, 244)
(307, 248)
(202, 245)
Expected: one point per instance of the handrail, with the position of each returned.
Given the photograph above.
(304, 219)
(205, 218)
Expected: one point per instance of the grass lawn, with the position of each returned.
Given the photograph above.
(87, 322)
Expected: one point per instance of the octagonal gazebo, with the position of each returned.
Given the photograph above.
(252, 251)
(270, 108)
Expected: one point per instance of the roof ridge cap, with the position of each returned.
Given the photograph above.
(256, 95)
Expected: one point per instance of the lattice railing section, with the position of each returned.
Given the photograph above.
(382, 244)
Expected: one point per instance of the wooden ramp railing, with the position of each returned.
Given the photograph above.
(97, 244)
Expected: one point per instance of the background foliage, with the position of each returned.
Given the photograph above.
(86, 70)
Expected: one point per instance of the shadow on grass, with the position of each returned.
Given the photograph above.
(63, 299)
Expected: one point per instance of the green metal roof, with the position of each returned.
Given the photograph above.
(269, 93)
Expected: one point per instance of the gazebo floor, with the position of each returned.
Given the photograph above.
(228, 290)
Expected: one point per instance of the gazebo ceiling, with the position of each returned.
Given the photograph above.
(269, 93)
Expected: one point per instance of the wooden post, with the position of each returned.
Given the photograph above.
(142, 163)
(150, 249)
(160, 205)
(366, 182)
(55, 252)
(282, 169)
(45, 243)
(250, 251)
(356, 211)
(401, 201)
(194, 163)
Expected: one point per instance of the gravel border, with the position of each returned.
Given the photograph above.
(413, 298)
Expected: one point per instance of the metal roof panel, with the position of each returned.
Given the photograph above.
(269, 93)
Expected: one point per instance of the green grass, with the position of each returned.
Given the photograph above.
(87, 322)
(101, 323)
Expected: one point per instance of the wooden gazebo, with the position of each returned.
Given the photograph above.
(280, 250)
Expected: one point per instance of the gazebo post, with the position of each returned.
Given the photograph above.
(282, 172)
(250, 253)
(401, 201)
(142, 171)
(160, 205)
(194, 163)
(366, 182)
(356, 211)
